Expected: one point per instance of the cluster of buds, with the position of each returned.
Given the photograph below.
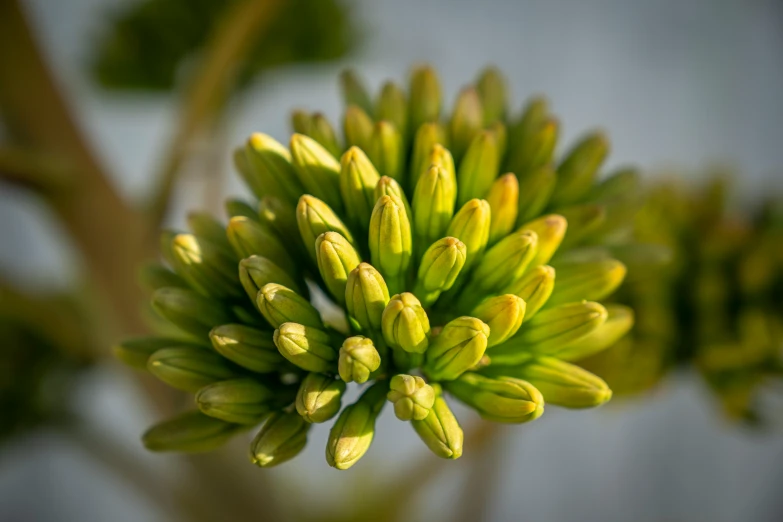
(717, 306)
(439, 239)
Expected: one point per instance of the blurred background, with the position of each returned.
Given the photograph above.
(157, 92)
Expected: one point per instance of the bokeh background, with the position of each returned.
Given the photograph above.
(677, 85)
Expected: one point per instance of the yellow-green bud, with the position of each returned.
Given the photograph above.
(319, 396)
(412, 397)
(315, 217)
(433, 206)
(308, 348)
(269, 170)
(534, 288)
(583, 220)
(358, 359)
(279, 304)
(439, 268)
(503, 314)
(390, 187)
(551, 330)
(536, 149)
(352, 433)
(248, 347)
(393, 106)
(458, 348)
(579, 168)
(282, 438)
(136, 352)
(189, 311)
(366, 297)
(209, 268)
(592, 281)
(205, 226)
(323, 132)
(278, 216)
(153, 276)
(550, 230)
(317, 169)
(386, 150)
(358, 180)
(501, 137)
(440, 430)
(302, 122)
(425, 96)
(188, 368)
(471, 226)
(503, 197)
(249, 237)
(492, 90)
(405, 324)
(535, 190)
(191, 432)
(619, 322)
(467, 120)
(237, 207)
(390, 241)
(242, 401)
(561, 383)
(353, 90)
(479, 168)
(256, 271)
(428, 135)
(499, 399)
(336, 259)
(357, 127)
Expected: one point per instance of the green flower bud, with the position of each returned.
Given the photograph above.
(405, 324)
(248, 347)
(467, 120)
(323, 132)
(153, 276)
(302, 122)
(207, 267)
(433, 206)
(499, 399)
(306, 347)
(392, 106)
(458, 348)
(390, 241)
(440, 430)
(249, 237)
(583, 221)
(279, 304)
(366, 297)
(191, 432)
(317, 169)
(241, 401)
(314, 218)
(237, 207)
(550, 230)
(428, 135)
(278, 216)
(282, 438)
(319, 396)
(336, 259)
(353, 90)
(503, 314)
(270, 171)
(492, 90)
(535, 190)
(441, 157)
(502, 264)
(358, 359)
(352, 433)
(386, 150)
(536, 149)
(561, 383)
(412, 397)
(619, 322)
(533, 115)
(591, 281)
(189, 311)
(204, 226)
(389, 187)
(358, 180)
(136, 352)
(188, 368)
(425, 97)
(257, 271)
(471, 226)
(551, 330)
(502, 197)
(479, 168)
(616, 186)
(534, 288)
(439, 268)
(501, 137)
(579, 168)
(357, 127)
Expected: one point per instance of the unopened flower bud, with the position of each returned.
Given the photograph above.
(390, 241)
(279, 304)
(576, 173)
(427, 136)
(323, 132)
(439, 268)
(336, 259)
(535, 150)
(550, 230)
(583, 221)
(467, 119)
(405, 324)
(249, 237)
(279, 216)
(499, 399)
(534, 287)
(315, 217)
(440, 430)
(257, 271)
(491, 86)
(457, 348)
(282, 438)
(619, 322)
(366, 297)
(191, 432)
(269, 170)
(209, 268)
(352, 433)
(502, 197)
(535, 190)
(358, 179)
(248, 347)
(425, 97)
(358, 359)
(503, 314)
(433, 206)
(471, 226)
(189, 311)
(412, 397)
(551, 330)
(392, 106)
(205, 226)
(242, 401)
(390, 187)
(591, 281)
(317, 169)
(237, 207)
(306, 347)
(357, 127)
(188, 368)
(136, 352)
(153, 276)
(319, 396)
(479, 168)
